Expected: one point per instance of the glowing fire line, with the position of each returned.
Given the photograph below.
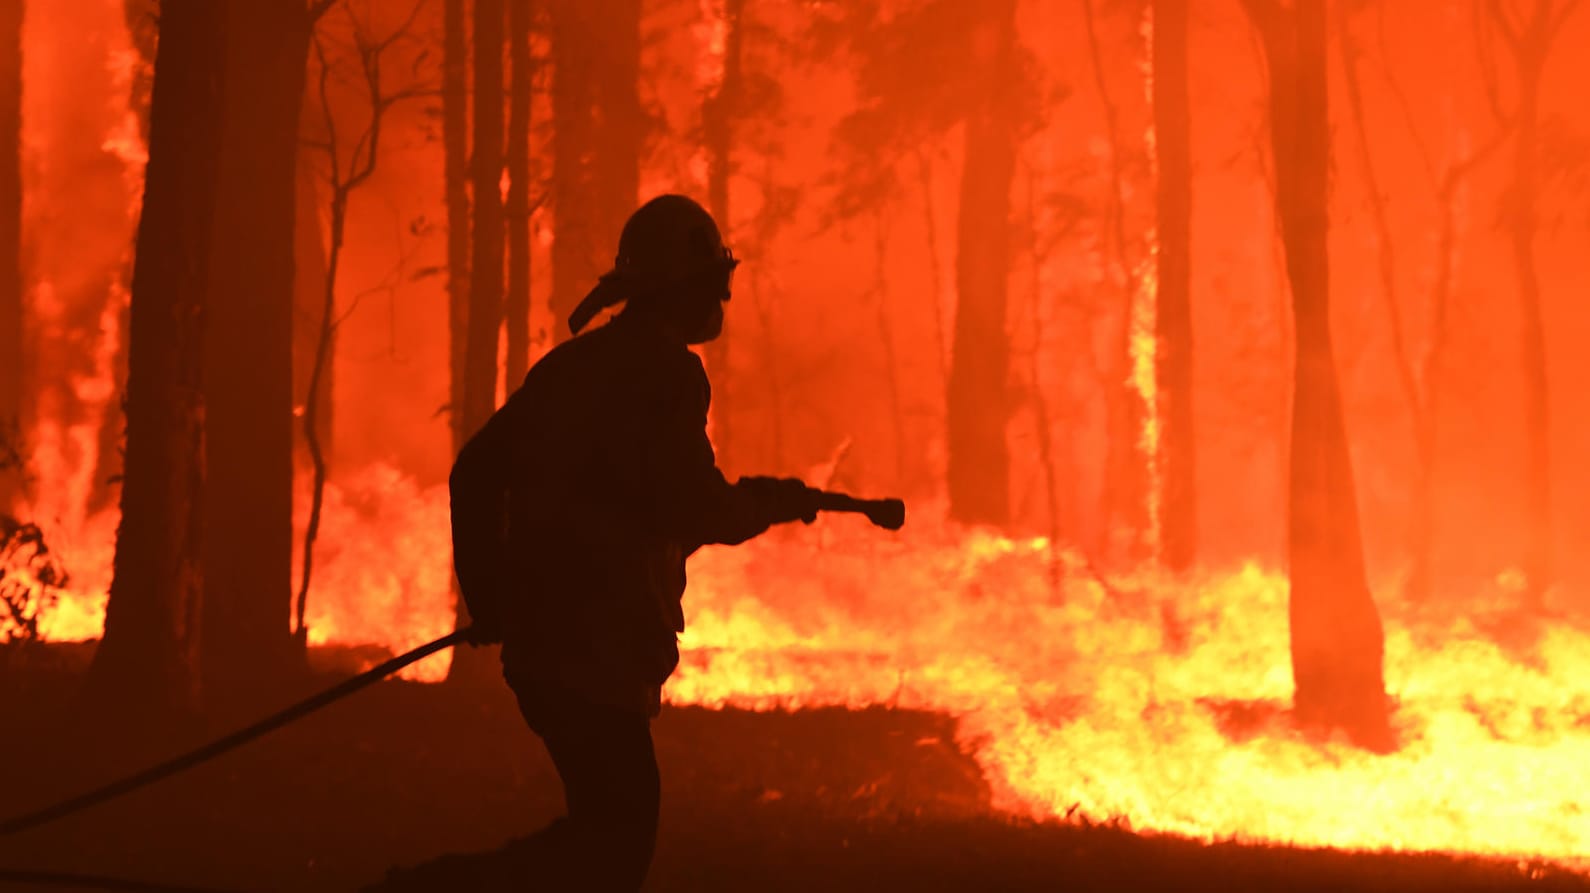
(1164, 708)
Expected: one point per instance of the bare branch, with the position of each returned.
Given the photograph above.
(1426, 158)
(1266, 16)
(1504, 25)
(1488, 76)
(318, 9)
(1461, 169)
(389, 281)
(1569, 7)
(327, 115)
(361, 163)
(404, 28)
(1385, 243)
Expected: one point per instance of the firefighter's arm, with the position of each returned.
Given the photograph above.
(692, 500)
(478, 492)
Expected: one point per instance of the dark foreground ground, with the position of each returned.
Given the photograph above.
(814, 800)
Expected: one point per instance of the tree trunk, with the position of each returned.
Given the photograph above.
(248, 347)
(1124, 500)
(1421, 532)
(977, 402)
(309, 293)
(11, 366)
(150, 656)
(717, 123)
(485, 286)
(519, 94)
(1173, 353)
(485, 283)
(1537, 562)
(1336, 638)
(597, 132)
(455, 153)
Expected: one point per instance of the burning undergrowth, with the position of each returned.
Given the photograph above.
(30, 580)
(1154, 702)
(1157, 702)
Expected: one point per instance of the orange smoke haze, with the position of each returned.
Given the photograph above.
(1157, 700)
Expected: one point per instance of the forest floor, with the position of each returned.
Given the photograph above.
(809, 800)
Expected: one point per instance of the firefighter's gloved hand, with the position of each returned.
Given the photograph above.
(484, 632)
(782, 499)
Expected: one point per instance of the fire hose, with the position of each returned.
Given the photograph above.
(236, 739)
(886, 513)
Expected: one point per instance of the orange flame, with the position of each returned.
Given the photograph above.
(1167, 711)
(1163, 707)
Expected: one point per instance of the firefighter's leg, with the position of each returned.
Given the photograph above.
(609, 770)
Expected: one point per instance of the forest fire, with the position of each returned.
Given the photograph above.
(1112, 650)
(1156, 702)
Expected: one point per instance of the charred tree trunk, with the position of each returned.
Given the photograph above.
(248, 348)
(1529, 39)
(1421, 527)
(1173, 354)
(978, 402)
(1429, 366)
(517, 308)
(150, 656)
(485, 282)
(455, 154)
(1523, 197)
(1337, 643)
(717, 123)
(597, 132)
(1125, 510)
(1423, 427)
(11, 365)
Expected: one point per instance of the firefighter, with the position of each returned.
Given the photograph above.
(573, 512)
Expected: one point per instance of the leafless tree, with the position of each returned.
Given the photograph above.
(149, 658)
(1420, 371)
(1125, 493)
(349, 163)
(516, 305)
(10, 225)
(1337, 642)
(455, 162)
(1173, 329)
(1528, 35)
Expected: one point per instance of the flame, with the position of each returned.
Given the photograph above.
(66, 455)
(1162, 707)
(1142, 345)
(711, 33)
(76, 366)
(377, 577)
(1166, 711)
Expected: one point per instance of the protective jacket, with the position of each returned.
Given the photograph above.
(576, 505)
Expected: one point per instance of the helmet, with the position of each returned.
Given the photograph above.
(666, 242)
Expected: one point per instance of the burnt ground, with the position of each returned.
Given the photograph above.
(821, 799)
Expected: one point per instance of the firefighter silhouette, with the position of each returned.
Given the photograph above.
(573, 512)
